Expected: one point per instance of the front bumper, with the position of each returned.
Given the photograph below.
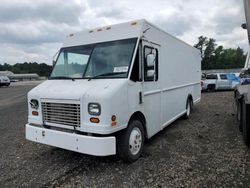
(98, 146)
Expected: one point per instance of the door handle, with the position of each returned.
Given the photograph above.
(140, 97)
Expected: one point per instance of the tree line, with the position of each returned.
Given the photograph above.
(213, 57)
(41, 69)
(216, 57)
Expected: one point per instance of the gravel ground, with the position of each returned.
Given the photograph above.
(205, 151)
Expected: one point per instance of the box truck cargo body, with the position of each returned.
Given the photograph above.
(112, 87)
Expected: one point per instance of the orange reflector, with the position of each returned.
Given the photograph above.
(94, 120)
(113, 118)
(133, 23)
(113, 124)
(34, 113)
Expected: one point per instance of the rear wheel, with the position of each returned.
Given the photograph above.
(130, 142)
(239, 114)
(245, 124)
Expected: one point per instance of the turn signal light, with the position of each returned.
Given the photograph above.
(113, 123)
(35, 113)
(94, 120)
(113, 118)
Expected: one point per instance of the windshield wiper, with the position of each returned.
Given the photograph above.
(61, 78)
(105, 74)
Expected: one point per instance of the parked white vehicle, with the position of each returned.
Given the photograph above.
(4, 81)
(112, 87)
(218, 81)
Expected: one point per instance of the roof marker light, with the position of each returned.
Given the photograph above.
(133, 23)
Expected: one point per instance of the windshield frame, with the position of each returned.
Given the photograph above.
(88, 62)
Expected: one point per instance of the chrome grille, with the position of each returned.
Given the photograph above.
(61, 113)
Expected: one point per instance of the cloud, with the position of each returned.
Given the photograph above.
(54, 11)
(174, 23)
(34, 30)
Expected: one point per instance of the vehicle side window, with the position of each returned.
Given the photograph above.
(223, 76)
(211, 77)
(135, 71)
(150, 70)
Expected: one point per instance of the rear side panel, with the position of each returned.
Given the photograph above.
(179, 77)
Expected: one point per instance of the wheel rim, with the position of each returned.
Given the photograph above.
(135, 141)
(188, 108)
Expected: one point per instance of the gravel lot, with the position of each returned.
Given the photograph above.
(205, 151)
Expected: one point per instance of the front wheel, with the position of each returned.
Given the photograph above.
(130, 142)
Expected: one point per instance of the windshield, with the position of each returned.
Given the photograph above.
(109, 59)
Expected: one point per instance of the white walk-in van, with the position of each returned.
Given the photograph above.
(112, 87)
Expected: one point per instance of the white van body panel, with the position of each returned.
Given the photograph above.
(159, 102)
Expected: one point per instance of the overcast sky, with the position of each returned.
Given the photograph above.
(34, 30)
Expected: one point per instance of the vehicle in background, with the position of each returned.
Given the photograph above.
(113, 87)
(4, 81)
(242, 92)
(234, 78)
(242, 99)
(219, 81)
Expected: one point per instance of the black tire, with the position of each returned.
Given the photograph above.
(189, 105)
(245, 124)
(211, 87)
(239, 115)
(124, 148)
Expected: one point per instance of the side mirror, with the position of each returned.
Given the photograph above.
(150, 73)
(150, 59)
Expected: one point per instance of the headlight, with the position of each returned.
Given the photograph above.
(94, 109)
(34, 104)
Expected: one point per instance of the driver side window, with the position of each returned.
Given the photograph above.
(150, 64)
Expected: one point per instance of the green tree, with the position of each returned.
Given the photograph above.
(202, 41)
(214, 57)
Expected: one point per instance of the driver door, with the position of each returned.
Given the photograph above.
(151, 87)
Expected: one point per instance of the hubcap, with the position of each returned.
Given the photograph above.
(135, 141)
